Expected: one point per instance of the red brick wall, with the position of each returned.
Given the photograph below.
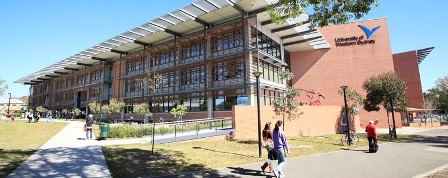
(325, 70)
(406, 66)
(117, 86)
(315, 120)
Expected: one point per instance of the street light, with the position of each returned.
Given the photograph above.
(9, 102)
(257, 76)
(346, 116)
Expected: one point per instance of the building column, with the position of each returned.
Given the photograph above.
(210, 106)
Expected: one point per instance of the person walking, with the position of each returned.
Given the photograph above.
(280, 146)
(36, 117)
(89, 124)
(49, 116)
(29, 116)
(372, 137)
(267, 143)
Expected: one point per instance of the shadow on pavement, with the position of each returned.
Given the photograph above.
(11, 159)
(198, 147)
(63, 162)
(137, 162)
(437, 141)
(348, 149)
(248, 172)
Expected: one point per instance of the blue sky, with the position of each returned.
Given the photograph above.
(36, 34)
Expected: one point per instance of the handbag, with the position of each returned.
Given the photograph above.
(85, 127)
(272, 155)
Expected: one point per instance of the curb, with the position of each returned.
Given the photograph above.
(431, 171)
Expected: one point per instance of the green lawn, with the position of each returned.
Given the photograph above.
(20, 139)
(203, 155)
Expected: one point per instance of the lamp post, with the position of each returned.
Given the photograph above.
(9, 103)
(346, 116)
(257, 76)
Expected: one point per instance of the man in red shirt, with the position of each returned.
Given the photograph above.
(372, 136)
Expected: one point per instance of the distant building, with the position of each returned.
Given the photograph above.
(14, 105)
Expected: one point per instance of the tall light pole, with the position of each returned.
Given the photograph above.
(9, 103)
(257, 76)
(346, 116)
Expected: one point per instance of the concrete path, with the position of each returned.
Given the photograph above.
(67, 154)
(403, 159)
(167, 138)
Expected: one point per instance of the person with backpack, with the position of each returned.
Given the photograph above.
(372, 137)
(89, 124)
(280, 146)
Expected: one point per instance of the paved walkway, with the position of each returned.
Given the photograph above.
(403, 159)
(67, 154)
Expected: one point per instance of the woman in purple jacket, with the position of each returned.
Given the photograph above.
(280, 145)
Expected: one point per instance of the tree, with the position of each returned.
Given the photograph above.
(142, 109)
(151, 81)
(106, 109)
(41, 109)
(77, 111)
(286, 104)
(354, 100)
(24, 99)
(439, 94)
(179, 111)
(3, 87)
(428, 105)
(116, 106)
(386, 89)
(321, 12)
(94, 107)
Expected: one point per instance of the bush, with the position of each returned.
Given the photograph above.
(137, 131)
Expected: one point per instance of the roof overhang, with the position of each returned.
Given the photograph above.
(196, 16)
(422, 53)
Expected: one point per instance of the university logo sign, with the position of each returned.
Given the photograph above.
(368, 31)
(357, 40)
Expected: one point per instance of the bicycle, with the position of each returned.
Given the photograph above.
(354, 138)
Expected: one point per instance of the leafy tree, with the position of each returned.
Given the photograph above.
(116, 106)
(439, 93)
(354, 99)
(386, 89)
(428, 104)
(286, 105)
(94, 107)
(24, 99)
(151, 81)
(41, 109)
(77, 111)
(321, 12)
(3, 87)
(106, 109)
(179, 111)
(142, 109)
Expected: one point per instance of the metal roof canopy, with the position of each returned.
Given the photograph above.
(193, 17)
(422, 53)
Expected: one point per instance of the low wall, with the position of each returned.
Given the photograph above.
(423, 124)
(315, 120)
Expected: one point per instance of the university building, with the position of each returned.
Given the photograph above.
(206, 54)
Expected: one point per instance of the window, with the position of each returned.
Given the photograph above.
(225, 103)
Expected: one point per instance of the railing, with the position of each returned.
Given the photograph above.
(180, 130)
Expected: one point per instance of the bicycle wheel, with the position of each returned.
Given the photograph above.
(344, 140)
(355, 139)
